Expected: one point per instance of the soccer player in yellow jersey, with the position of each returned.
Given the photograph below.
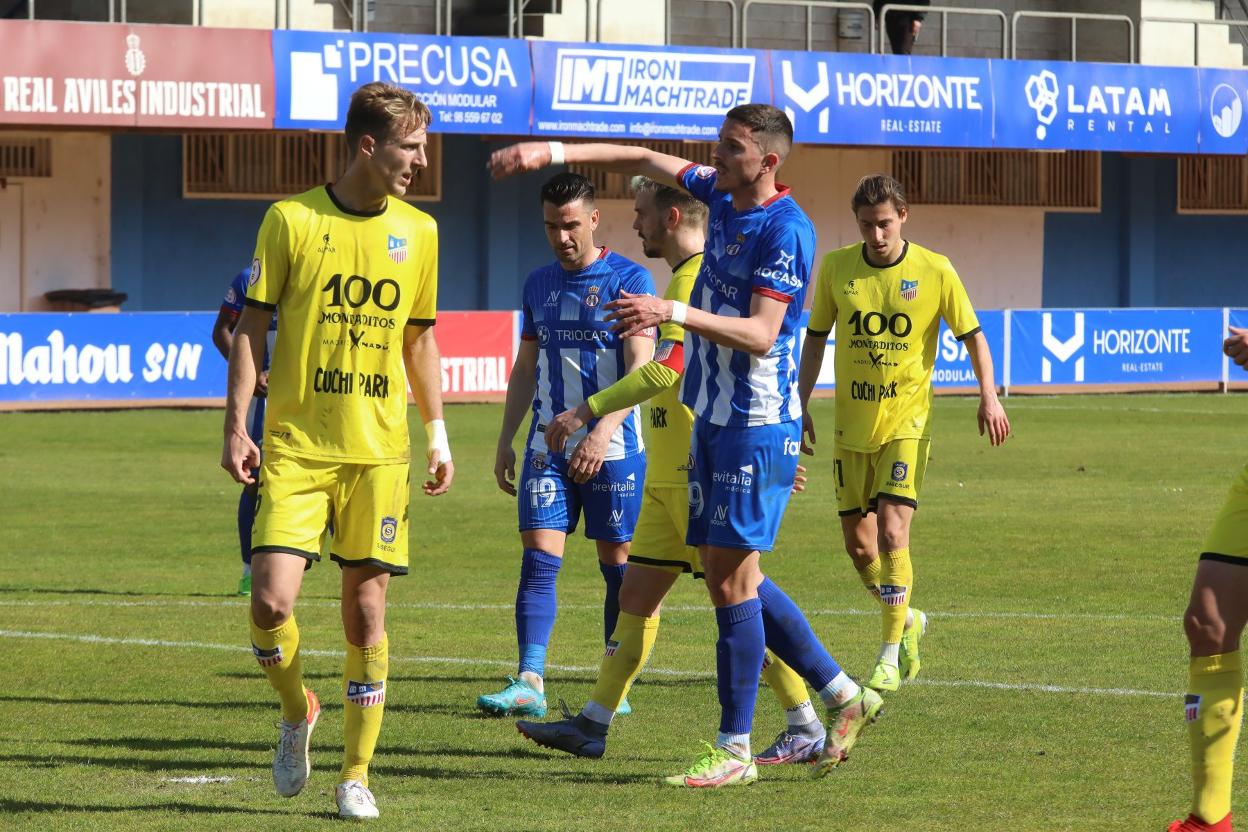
(1214, 622)
(886, 297)
(352, 271)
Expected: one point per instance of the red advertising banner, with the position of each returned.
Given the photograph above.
(119, 75)
(477, 351)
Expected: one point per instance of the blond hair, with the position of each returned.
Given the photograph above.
(384, 111)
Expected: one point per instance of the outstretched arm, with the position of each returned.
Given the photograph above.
(619, 158)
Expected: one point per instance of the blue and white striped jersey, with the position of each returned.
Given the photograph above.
(578, 353)
(767, 250)
(233, 301)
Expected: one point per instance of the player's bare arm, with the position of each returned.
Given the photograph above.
(813, 349)
(520, 387)
(423, 364)
(586, 460)
(239, 455)
(1236, 346)
(754, 334)
(531, 156)
(223, 331)
(991, 415)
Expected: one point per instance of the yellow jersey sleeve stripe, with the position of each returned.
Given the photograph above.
(259, 304)
(969, 334)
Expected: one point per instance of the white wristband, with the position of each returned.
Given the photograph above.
(435, 433)
(679, 311)
(556, 153)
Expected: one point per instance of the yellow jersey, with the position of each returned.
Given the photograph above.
(669, 427)
(345, 284)
(887, 322)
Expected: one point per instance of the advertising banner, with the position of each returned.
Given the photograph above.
(1045, 105)
(844, 98)
(472, 85)
(1115, 346)
(104, 74)
(102, 357)
(1222, 100)
(477, 351)
(642, 92)
(170, 356)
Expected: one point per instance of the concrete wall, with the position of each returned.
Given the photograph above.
(62, 224)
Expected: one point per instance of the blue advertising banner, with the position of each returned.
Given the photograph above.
(101, 357)
(1082, 106)
(844, 98)
(472, 85)
(644, 92)
(1115, 346)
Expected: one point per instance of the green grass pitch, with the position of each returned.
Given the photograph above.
(1054, 570)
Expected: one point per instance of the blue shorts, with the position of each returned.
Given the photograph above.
(549, 499)
(740, 483)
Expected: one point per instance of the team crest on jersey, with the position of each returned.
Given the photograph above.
(538, 461)
(900, 469)
(909, 289)
(255, 272)
(1191, 707)
(366, 694)
(267, 658)
(612, 646)
(389, 528)
(893, 595)
(231, 296)
(591, 298)
(396, 247)
(704, 172)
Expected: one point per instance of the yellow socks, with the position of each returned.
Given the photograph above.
(277, 651)
(789, 688)
(364, 679)
(627, 651)
(1213, 707)
(896, 579)
(870, 576)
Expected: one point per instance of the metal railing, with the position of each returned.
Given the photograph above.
(1195, 23)
(1074, 18)
(944, 12)
(667, 20)
(810, 6)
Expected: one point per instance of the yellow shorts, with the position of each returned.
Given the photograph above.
(367, 506)
(659, 537)
(1228, 539)
(894, 471)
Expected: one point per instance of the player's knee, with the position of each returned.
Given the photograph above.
(1205, 629)
(268, 610)
(894, 537)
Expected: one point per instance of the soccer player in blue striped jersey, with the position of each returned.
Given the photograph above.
(222, 339)
(567, 353)
(740, 381)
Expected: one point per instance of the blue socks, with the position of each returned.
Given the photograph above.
(790, 637)
(535, 608)
(614, 576)
(246, 517)
(738, 656)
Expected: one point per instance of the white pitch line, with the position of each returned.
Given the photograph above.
(200, 780)
(847, 613)
(655, 671)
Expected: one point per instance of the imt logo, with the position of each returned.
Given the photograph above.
(641, 81)
(1060, 350)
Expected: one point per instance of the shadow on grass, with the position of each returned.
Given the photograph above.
(31, 806)
(156, 764)
(611, 778)
(493, 681)
(168, 744)
(134, 593)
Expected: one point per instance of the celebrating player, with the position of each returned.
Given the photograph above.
(886, 297)
(567, 353)
(1214, 622)
(740, 329)
(352, 271)
(222, 338)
